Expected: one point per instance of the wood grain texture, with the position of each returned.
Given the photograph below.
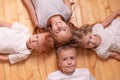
(37, 67)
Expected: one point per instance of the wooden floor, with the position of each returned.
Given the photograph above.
(37, 67)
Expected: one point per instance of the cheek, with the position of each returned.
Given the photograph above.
(91, 46)
(53, 28)
(53, 32)
(33, 44)
(75, 62)
(62, 64)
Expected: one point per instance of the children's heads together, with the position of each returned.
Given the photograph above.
(55, 19)
(61, 31)
(90, 36)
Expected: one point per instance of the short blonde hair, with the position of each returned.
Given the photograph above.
(65, 47)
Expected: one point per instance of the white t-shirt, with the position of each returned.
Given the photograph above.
(47, 8)
(79, 74)
(13, 42)
(110, 37)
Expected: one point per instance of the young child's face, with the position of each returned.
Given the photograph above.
(67, 61)
(61, 31)
(35, 41)
(90, 41)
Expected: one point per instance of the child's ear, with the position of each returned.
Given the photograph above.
(58, 64)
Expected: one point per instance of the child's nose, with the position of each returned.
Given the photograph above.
(92, 41)
(59, 25)
(69, 62)
(34, 40)
(59, 28)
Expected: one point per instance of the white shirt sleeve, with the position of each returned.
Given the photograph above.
(97, 28)
(103, 54)
(19, 27)
(14, 58)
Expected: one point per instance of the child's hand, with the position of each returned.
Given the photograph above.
(110, 18)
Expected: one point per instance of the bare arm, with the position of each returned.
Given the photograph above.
(67, 2)
(4, 57)
(110, 18)
(5, 24)
(31, 11)
(115, 55)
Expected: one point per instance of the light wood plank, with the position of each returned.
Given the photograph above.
(21, 69)
(14, 72)
(37, 67)
(7, 71)
(80, 59)
(28, 69)
(77, 14)
(2, 71)
(114, 5)
(42, 67)
(2, 10)
(73, 18)
(50, 62)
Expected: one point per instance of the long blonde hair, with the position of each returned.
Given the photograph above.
(78, 34)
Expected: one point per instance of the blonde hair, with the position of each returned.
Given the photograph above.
(65, 47)
(78, 34)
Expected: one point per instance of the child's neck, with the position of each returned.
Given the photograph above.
(99, 40)
(54, 19)
(27, 44)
